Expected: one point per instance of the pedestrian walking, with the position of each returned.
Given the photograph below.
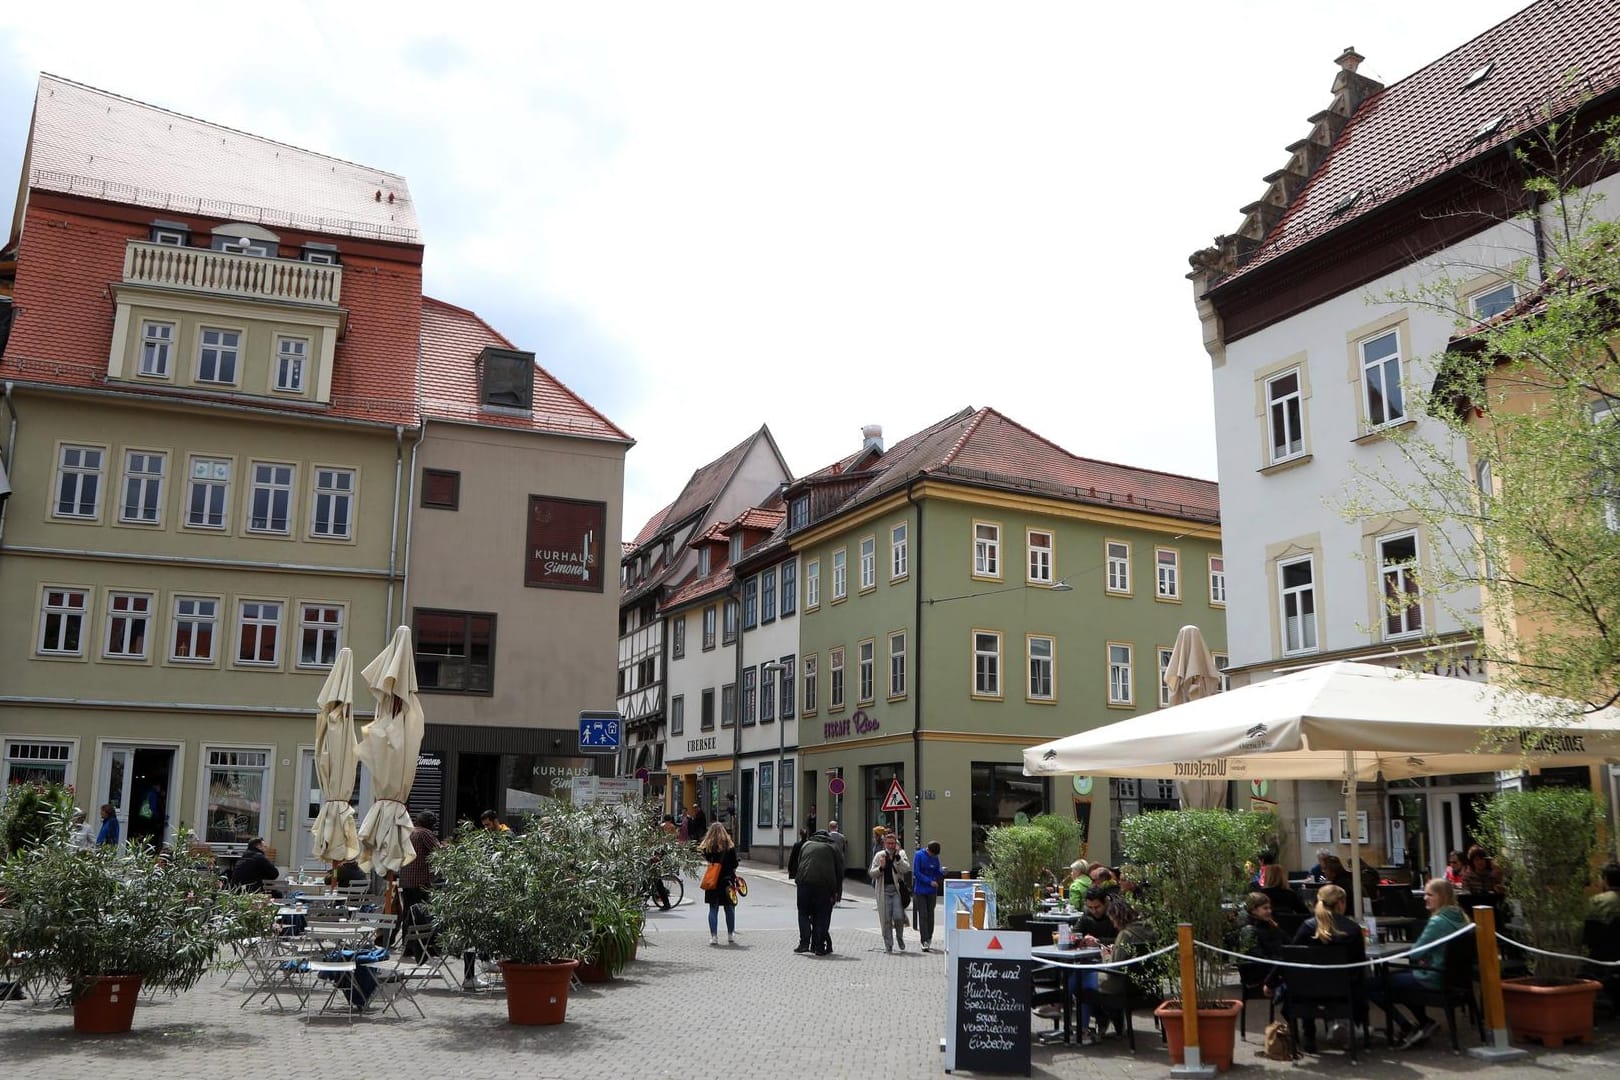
(889, 870)
(820, 874)
(927, 876)
(718, 848)
(793, 856)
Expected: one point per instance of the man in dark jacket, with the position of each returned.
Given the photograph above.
(254, 868)
(820, 876)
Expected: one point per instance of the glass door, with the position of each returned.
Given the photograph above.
(117, 772)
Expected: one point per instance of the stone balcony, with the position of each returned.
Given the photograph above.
(221, 273)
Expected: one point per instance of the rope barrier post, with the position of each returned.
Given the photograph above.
(1192, 1058)
(1500, 1047)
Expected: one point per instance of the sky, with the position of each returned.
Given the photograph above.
(704, 217)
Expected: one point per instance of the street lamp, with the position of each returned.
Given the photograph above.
(768, 673)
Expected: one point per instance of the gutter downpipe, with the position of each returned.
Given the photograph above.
(737, 715)
(11, 446)
(393, 527)
(917, 698)
(410, 516)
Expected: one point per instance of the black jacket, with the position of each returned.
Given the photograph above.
(793, 860)
(253, 870)
(728, 873)
(821, 864)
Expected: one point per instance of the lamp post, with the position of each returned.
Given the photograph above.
(769, 671)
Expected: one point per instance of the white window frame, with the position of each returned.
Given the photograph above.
(259, 620)
(868, 563)
(187, 617)
(1217, 581)
(711, 618)
(71, 605)
(812, 585)
(840, 574)
(677, 637)
(986, 669)
(1285, 417)
(1121, 681)
(1383, 367)
(128, 621)
(987, 550)
(865, 671)
(835, 679)
(1399, 578)
(292, 363)
(24, 754)
(1475, 300)
(1293, 597)
(897, 665)
(210, 480)
(237, 759)
(313, 618)
(1222, 662)
(1163, 652)
(156, 359)
(272, 486)
(899, 552)
(1166, 573)
(146, 483)
(79, 465)
(1041, 681)
(212, 345)
(1040, 555)
(808, 666)
(326, 495)
(1117, 578)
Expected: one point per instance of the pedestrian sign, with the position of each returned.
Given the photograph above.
(896, 799)
(599, 732)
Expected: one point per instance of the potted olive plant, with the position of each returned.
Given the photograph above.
(105, 923)
(1067, 837)
(1020, 859)
(1546, 842)
(1193, 862)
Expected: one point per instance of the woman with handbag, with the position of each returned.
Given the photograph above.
(890, 868)
(718, 880)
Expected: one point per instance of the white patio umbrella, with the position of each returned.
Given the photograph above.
(1190, 675)
(1340, 721)
(336, 839)
(389, 746)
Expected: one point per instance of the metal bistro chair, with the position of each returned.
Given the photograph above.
(1458, 990)
(1252, 977)
(1324, 993)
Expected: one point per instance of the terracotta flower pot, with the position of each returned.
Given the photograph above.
(1217, 1032)
(1554, 1014)
(108, 1007)
(594, 971)
(537, 993)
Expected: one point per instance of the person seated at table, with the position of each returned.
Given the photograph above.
(1266, 858)
(1605, 906)
(348, 873)
(1131, 938)
(1482, 876)
(1079, 882)
(1455, 868)
(1274, 885)
(1427, 972)
(1328, 927)
(491, 821)
(1318, 873)
(1258, 934)
(254, 868)
(1095, 927)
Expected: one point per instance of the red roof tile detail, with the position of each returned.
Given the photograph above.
(717, 583)
(452, 339)
(756, 517)
(1555, 53)
(649, 530)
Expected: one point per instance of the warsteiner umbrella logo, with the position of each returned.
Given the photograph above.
(1254, 738)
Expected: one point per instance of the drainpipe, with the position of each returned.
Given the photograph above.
(917, 666)
(393, 527)
(410, 515)
(736, 720)
(11, 451)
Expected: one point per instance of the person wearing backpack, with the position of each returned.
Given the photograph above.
(718, 879)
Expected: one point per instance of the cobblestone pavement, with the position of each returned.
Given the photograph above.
(684, 1009)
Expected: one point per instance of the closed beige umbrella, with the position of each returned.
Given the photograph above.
(336, 839)
(1190, 675)
(388, 746)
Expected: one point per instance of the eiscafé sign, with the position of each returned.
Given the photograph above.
(565, 538)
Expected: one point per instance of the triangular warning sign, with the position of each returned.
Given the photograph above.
(995, 943)
(895, 799)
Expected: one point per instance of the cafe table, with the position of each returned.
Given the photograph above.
(1051, 956)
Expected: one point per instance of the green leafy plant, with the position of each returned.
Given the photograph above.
(1020, 856)
(1546, 842)
(1193, 862)
(1068, 835)
(27, 810)
(75, 915)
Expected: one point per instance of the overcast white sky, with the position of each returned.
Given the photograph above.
(703, 216)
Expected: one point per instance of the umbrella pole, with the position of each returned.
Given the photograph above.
(1355, 831)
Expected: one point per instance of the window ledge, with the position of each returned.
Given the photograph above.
(1379, 434)
(1283, 466)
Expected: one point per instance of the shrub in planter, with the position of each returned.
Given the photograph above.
(1068, 835)
(1020, 856)
(77, 916)
(28, 810)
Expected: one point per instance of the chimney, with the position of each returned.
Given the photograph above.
(872, 437)
(1349, 60)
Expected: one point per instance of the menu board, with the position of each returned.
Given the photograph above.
(988, 999)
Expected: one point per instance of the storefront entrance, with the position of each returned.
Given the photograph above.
(139, 783)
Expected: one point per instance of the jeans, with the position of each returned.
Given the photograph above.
(1402, 985)
(891, 918)
(924, 906)
(714, 919)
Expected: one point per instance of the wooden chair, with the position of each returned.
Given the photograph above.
(1317, 992)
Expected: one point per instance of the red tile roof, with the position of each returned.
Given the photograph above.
(649, 530)
(90, 143)
(1555, 53)
(696, 588)
(452, 339)
(756, 517)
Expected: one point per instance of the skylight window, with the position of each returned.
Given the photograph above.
(1490, 127)
(1479, 75)
(1343, 206)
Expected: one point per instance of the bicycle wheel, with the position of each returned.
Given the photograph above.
(676, 889)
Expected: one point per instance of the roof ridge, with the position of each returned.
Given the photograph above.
(44, 75)
(967, 433)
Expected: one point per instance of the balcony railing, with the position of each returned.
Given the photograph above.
(225, 273)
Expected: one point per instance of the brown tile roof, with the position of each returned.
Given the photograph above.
(1554, 53)
(708, 481)
(756, 517)
(649, 530)
(718, 583)
(452, 339)
(91, 143)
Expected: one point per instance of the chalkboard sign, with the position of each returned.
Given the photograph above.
(989, 1003)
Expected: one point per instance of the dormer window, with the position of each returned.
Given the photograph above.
(736, 547)
(170, 234)
(323, 254)
(799, 515)
(241, 238)
(703, 561)
(506, 379)
(243, 246)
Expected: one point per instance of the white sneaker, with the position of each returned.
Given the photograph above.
(714, 939)
(731, 939)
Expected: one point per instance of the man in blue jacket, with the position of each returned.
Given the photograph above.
(926, 877)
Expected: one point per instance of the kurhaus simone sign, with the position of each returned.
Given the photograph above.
(564, 549)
